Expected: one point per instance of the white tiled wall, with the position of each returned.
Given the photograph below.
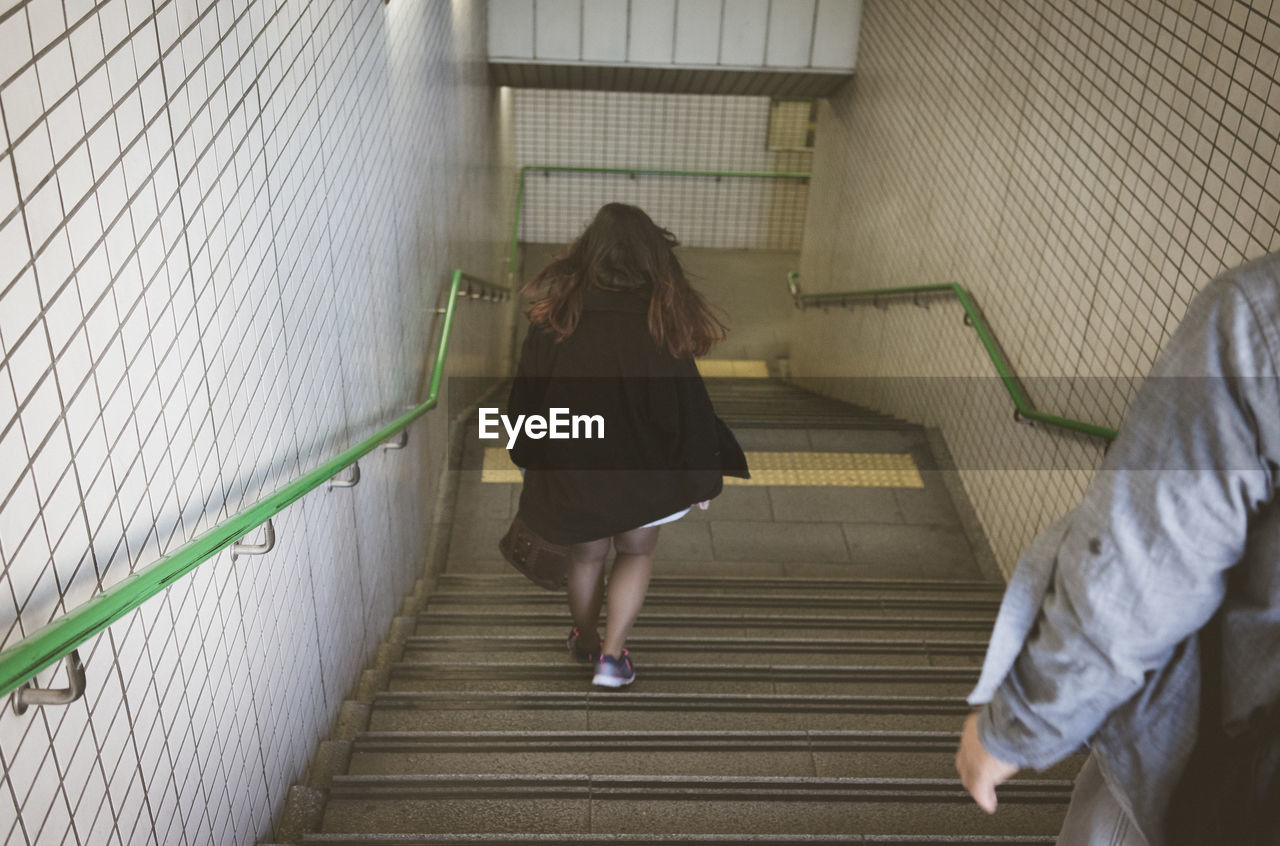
(1082, 167)
(609, 129)
(223, 229)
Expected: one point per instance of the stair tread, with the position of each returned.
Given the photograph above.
(820, 650)
(655, 740)
(678, 640)
(694, 785)
(684, 804)
(520, 839)
(880, 754)
(564, 669)
(631, 698)
(771, 582)
(696, 619)
(493, 598)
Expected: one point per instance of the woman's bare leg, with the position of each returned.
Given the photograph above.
(628, 584)
(586, 586)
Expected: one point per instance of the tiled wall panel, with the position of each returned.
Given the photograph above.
(663, 132)
(224, 227)
(1082, 167)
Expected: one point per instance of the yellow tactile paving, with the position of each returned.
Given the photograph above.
(498, 467)
(729, 368)
(811, 469)
(832, 469)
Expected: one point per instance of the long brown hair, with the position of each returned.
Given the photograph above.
(623, 249)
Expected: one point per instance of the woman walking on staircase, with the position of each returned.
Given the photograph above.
(614, 329)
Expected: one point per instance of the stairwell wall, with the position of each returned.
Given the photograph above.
(1082, 167)
(224, 227)
(624, 129)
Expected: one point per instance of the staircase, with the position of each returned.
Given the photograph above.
(770, 403)
(802, 661)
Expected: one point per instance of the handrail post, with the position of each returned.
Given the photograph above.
(29, 695)
(349, 482)
(268, 543)
(400, 442)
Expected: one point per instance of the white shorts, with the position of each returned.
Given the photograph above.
(670, 518)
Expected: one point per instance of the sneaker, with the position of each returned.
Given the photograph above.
(579, 652)
(614, 672)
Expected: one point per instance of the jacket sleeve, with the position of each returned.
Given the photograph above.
(1141, 563)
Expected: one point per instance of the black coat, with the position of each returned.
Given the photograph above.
(661, 450)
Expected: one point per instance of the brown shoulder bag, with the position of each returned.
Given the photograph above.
(544, 563)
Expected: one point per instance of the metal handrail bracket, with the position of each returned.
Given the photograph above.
(61, 637)
(1024, 411)
(29, 695)
(349, 482)
(268, 543)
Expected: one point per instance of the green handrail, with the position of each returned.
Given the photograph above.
(637, 171)
(57, 639)
(1023, 409)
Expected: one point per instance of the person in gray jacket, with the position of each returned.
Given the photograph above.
(1098, 637)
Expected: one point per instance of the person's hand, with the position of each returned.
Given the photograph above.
(980, 771)
(704, 504)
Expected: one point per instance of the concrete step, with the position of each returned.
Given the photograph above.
(938, 606)
(770, 403)
(827, 754)
(592, 710)
(656, 677)
(755, 415)
(773, 586)
(667, 839)
(666, 804)
(759, 418)
(554, 623)
(820, 559)
(704, 649)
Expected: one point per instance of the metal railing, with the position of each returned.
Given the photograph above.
(629, 171)
(60, 638)
(1023, 410)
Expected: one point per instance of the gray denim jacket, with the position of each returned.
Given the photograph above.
(1096, 640)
